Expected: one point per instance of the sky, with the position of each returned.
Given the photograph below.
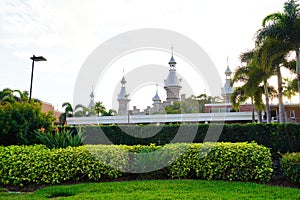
(66, 32)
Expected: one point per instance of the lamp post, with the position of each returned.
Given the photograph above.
(34, 58)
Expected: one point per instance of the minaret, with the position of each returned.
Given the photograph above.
(172, 85)
(91, 105)
(123, 99)
(227, 90)
(156, 101)
(92, 102)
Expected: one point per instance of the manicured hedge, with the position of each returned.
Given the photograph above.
(279, 137)
(23, 165)
(290, 166)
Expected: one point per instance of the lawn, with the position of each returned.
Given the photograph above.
(160, 189)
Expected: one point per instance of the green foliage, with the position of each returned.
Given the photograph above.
(279, 137)
(60, 138)
(290, 166)
(223, 161)
(19, 120)
(23, 165)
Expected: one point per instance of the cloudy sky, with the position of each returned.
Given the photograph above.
(66, 32)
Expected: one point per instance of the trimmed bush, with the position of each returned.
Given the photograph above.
(290, 166)
(23, 165)
(279, 137)
(224, 161)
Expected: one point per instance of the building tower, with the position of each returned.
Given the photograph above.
(172, 83)
(227, 90)
(123, 99)
(156, 101)
(91, 105)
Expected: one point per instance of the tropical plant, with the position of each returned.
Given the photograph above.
(251, 76)
(271, 56)
(110, 112)
(285, 27)
(18, 121)
(60, 139)
(99, 108)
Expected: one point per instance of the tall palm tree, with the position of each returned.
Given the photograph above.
(285, 27)
(250, 57)
(250, 76)
(271, 55)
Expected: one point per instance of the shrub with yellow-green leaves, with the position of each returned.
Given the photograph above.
(290, 166)
(224, 161)
(23, 165)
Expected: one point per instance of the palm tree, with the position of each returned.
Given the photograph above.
(271, 55)
(7, 96)
(249, 58)
(99, 107)
(80, 111)
(249, 75)
(286, 28)
(68, 109)
(110, 112)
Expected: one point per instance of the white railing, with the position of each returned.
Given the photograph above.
(165, 118)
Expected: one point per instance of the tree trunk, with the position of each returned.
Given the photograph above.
(280, 97)
(259, 113)
(298, 70)
(268, 110)
(252, 107)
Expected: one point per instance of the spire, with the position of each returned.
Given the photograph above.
(228, 71)
(92, 103)
(123, 94)
(156, 97)
(227, 90)
(172, 61)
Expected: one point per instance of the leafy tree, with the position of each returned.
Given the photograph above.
(19, 119)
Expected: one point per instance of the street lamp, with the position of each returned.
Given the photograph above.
(34, 58)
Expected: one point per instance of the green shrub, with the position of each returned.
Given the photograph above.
(290, 166)
(60, 139)
(23, 165)
(223, 161)
(279, 137)
(19, 120)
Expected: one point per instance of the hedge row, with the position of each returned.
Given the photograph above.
(23, 165)
(279, 137)
(290, 166)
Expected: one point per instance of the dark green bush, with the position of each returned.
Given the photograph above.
(290, 166)
(19, 120)
(279, 137)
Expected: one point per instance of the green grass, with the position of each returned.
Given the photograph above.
(160, 189)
